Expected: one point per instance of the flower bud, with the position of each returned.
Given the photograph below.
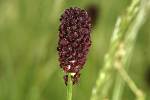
(74, 41)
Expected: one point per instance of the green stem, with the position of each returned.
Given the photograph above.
(106, 73)
(69, 87)
(129, 42)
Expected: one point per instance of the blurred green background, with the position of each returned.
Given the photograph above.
(29, 67)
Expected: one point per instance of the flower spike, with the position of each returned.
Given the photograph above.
(74, 41)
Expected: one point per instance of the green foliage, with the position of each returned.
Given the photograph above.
(29, 67)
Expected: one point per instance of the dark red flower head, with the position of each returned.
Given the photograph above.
(74, 41)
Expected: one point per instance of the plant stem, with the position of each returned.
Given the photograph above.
(123, 24)
(139, 94)
(69, 87)
(129, 43)
(120, 65)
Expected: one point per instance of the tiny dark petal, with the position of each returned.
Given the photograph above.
(66, 79)
(74, 41)
(58, 48)
(76, 78)
(64, 41)
(74, 44)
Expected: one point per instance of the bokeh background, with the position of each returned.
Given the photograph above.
(29, 67)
